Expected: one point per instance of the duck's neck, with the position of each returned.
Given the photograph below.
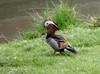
(51, 31)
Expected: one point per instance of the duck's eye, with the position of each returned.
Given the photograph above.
(47, 23)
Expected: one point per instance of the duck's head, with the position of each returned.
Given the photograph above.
(49, 23)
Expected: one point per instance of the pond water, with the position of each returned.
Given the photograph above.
(13, 16)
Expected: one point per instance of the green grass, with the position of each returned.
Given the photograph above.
(36, 57)
(62, 14)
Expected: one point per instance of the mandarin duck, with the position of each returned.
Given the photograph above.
(57, 42)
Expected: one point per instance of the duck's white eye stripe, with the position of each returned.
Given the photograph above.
(49, 22)
(46, 24)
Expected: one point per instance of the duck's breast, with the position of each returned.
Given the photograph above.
(53, 43)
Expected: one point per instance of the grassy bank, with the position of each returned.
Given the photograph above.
(32, 55)
(36, 57)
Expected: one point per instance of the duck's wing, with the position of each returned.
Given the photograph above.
(62, 42)
(59, 38)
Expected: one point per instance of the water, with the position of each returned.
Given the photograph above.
(13, 16)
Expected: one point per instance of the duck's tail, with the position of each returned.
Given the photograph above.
(71, 49)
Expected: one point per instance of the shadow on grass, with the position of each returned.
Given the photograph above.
(63, 54)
